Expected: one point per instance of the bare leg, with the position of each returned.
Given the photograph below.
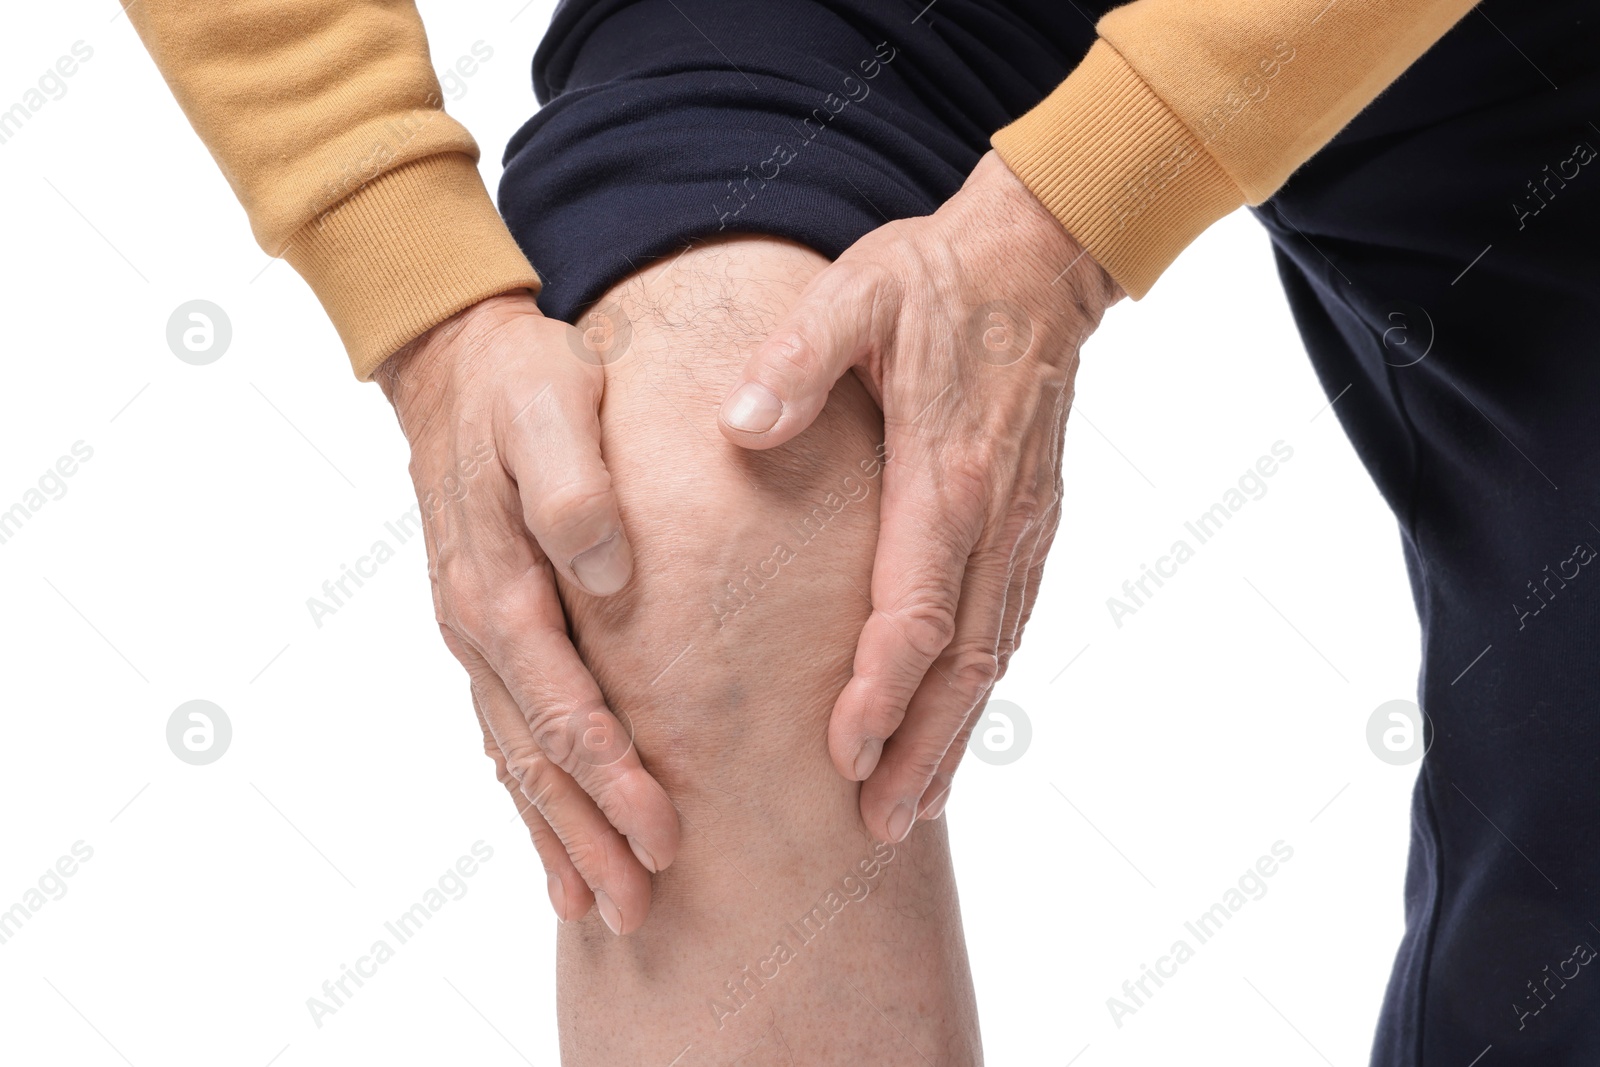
(783, 934)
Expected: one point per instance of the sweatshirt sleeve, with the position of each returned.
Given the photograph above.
(325, 117)
(1183, 110)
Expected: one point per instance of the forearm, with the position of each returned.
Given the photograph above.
(783, 933)
(326, 118)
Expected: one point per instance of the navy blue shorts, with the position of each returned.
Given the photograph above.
(1460, 214)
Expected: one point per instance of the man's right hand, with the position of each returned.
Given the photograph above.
(500, 405)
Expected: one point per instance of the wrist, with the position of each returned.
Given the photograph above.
(1014, 208)
(421, 367)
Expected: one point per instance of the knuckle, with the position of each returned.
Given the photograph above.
(549, 725)
(483, 612)
(1027, 506)
(792, 356)
(533, 774)
(511, 608)
(1008, 648)
(579, 736)
(922, 759)
(459, 601)
(590, 856)
(928, 625)
(566, 507)
(503, 775)
(523, 763)
(973, 670)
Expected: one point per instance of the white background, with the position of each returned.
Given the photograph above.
(178, 564)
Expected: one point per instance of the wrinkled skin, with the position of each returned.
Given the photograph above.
(500, 405)
(965, 326)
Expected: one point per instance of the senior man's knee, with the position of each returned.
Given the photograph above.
(752, 569)
(726, 653)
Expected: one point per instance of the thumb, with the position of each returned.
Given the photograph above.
(551, 447)
(844, 314)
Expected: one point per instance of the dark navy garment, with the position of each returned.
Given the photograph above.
(1442, 258)
(671, 120)
(1418, 226)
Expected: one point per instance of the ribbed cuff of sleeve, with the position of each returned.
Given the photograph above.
(406, 251)
(1125, 176)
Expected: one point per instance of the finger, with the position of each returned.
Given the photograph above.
(1021, 595)
(937, 794)
(1049, 481)
(1020, 601)
(550, 445)
(522, 638)
(601, 856)
(935, 797)
(942, 704)
(925, 536)
(569, 893)
(844, 313)
(563, 713)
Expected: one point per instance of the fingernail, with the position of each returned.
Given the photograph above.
(605, 568)
(609, 912)
(935, 807)
(643, 853)
(558, 895)
(867, 757)
(752, 408)
(900, 822)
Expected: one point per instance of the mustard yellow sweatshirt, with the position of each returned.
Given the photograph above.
(326, 118)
